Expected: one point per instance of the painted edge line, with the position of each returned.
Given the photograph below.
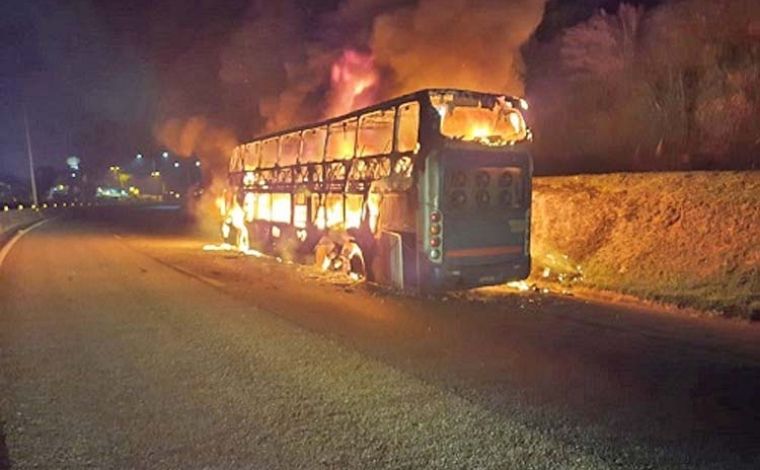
(6, 249)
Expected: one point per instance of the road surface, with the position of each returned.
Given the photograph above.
(130, 347)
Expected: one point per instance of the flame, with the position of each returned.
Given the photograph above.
(353, 81)
(221, 205)
(520, 286)
(330, 214)
(281, 208)
(483, 125)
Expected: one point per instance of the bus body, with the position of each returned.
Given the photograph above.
(431, 190)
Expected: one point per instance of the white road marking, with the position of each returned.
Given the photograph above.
(8, 246)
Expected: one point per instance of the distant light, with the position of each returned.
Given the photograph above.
(139, 156)
(198, 163)
(73, 175)
(176, 164)
(155, 174)
(165, 154)
(73, 162)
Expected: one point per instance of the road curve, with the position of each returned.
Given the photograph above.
(118, 353)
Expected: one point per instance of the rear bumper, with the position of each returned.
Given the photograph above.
(453, 277)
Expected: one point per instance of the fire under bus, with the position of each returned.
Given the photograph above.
(429, 191)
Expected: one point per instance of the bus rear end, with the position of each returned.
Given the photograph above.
(478, 232)
(475, 192)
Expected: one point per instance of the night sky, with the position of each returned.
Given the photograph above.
(97, 77)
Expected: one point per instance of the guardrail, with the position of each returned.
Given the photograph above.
(16, 216)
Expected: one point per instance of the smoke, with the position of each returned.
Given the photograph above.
(199, 137)
(471, 44)
(353, 82)
(291, 63)
(302, 66)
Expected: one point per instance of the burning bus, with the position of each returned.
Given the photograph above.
(427, 191)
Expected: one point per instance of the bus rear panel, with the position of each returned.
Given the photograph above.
(481, 199)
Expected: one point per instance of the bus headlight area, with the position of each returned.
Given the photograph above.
(418, 192)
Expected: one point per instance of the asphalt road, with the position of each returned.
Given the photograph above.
(129, 347)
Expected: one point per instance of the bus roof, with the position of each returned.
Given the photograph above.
(414, 96)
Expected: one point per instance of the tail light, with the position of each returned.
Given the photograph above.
(436, 230)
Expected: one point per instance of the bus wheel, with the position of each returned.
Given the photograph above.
(353, 261)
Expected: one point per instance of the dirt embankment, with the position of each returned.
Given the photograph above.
(690, 239)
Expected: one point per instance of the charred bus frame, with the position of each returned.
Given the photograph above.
(415, 153)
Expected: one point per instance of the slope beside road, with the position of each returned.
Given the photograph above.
(688, 239)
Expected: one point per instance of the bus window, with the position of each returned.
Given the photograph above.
(334, 209)
(341, 140)
(408, 127)
(494, 122)
(354, 206)
(290, 145)
(313, 145)
(300, 210)
(263, 207)
(318, 212)
(249, 206)
(376, 133)
(250, 156)
(281, 208)
(269, 152)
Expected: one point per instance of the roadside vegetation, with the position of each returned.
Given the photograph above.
(675, 86)
(690, 239)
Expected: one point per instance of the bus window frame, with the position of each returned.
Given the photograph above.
(253, 149)
(263, 143)
(398, 125)
(282, 142)
(343, 124)
(368, 115)
(315, 131)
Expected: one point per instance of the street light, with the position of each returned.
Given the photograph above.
(198, 163)
(176, 164)
(165, 154)
(139, 156)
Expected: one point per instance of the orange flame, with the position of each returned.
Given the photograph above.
(483, 125)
